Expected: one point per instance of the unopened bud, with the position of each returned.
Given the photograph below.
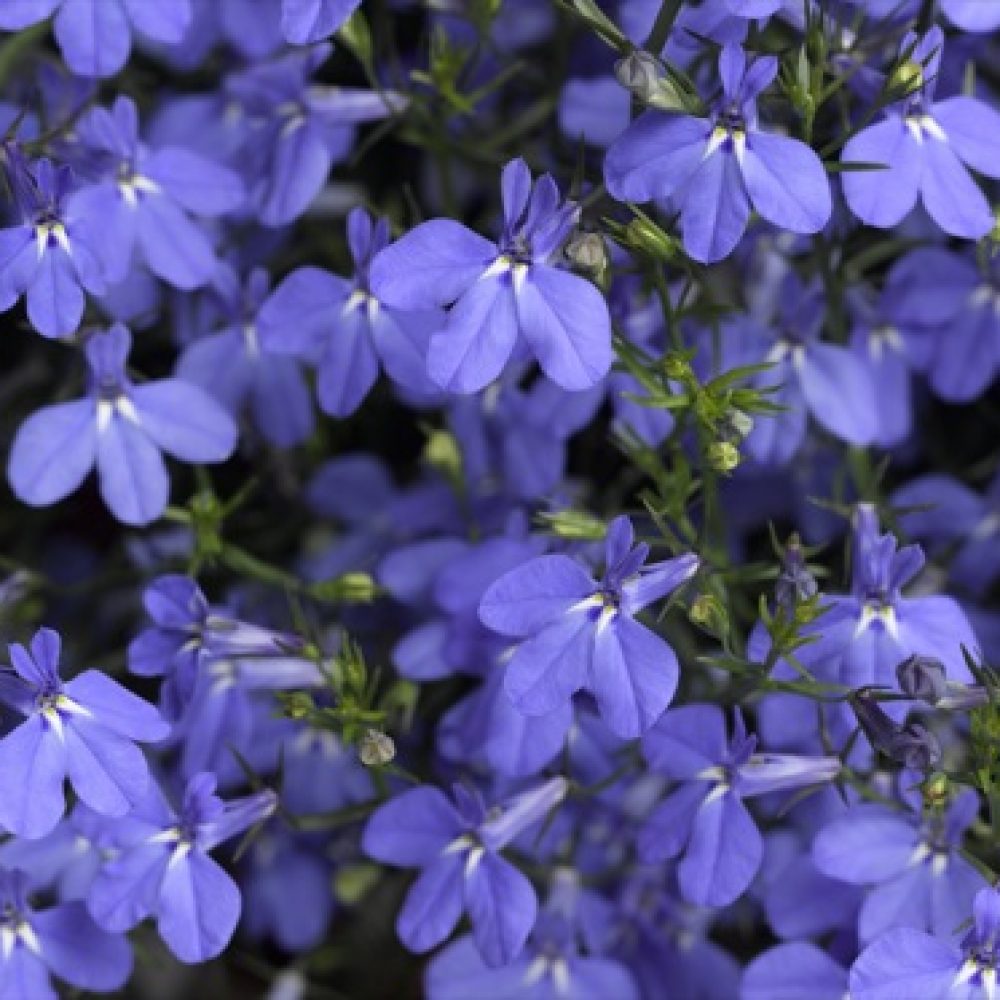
(646, 237)
(795, 583)
(740, 423)
(587, 252)
(908, 77)
(708, 613)
(723, 456)
(923, 678)
(376, 749)
(915, 747)
(639, 73)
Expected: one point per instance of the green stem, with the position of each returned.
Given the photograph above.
(669, 10)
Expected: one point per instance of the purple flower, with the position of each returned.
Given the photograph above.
(457, 847)
(62, 941)
(162, 869)
(926, 147)
(501, 290)
(863, 635)
(578, 633)
(705, 817)
(345, 328)
(51, 257)
(84, 730)
(909, 963)
(229, 365)
(716, 168)
(306, 21)
(95, 35)
(918, 876)
(972, 15)
(122, 428)
(144, 199)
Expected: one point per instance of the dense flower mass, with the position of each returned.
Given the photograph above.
(544, 532)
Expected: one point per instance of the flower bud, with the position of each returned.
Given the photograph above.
(376, 749)
(587, 252)
(646, 237)
(923, 678)
(723, 456)
(914, 747)
(639, 73)
(795, 583)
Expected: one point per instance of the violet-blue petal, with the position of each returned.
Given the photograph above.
(115, 707)
(715, 208)
(17, 14)
(565, 320)
(126, 889)
(432, 265)
(174, 247)
(657, 580)
(301, 164)
(55, 299)
(302, 312)
(668, 827)
(867, 845)
(94, 36)
(133, 478)
(528, 598)
(307, 21)
(165, 21)
(53, 451)
(478, 337)
(502, 908)
(883, 197)
(839, 392)
(950, 195)
(78, 951)
(786, 182)
(413, 828)
(107, 771)
(349, 366)
(195, 183)
(687, 741)
(184, 421)
(434, 904)
(655, 156)
(905, 963)
(633, 676)
(32, 770)
(794, 971)
(724, 852)
(198, 908)
(549, 669)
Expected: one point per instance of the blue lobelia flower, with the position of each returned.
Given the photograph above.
(62, 941)
(926, 147)
(306, 21)
(581, 633)
(716, 168)
(342, 325)
(162, 869)
(862, 636)
(913, 863)
(501, 290)
(187, 634)
(905, 962)
(457, 846)
(123, 428)
(84, 730)
(144, 199)
(229, 364)
(50, 258)
(95, 36)
(705, 818)
(289, 130)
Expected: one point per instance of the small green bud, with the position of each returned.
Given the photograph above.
(639, 73)
(647, 237)
(350, 588)
(298, 705)
(908, 77)
(575, 525)
(723, 456)
(442, 452)
(937, 790)
(676, 367)
(708, 614)
(353, 882)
